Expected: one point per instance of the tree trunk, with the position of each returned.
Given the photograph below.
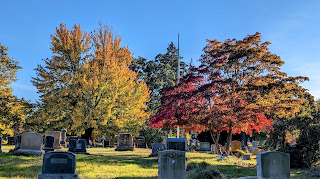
(87, 135)
(215, 137)
(229, 138)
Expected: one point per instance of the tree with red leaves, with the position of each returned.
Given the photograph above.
(236, 85)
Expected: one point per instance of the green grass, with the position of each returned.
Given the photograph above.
(107, 163)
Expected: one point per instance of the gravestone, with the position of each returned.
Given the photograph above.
(172, 164)
(273, 165)
(106, 143)
(246, 157)
(176, 144)
(205, 146)
(0, 144)
(156, 147)
(58, 165)
(214, 149)
(255, 151)
(17, 142)
(10, 140)
(48, 144)
(125, 142)
(254, 143)
(31, 143)
(140, 142)
(57, 137)
(235, 145)
(63, 137)
(78, 146)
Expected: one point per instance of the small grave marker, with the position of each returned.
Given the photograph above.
(156, 147)
(48, 144)
(57, 137)
(176, 144)
(78, 146)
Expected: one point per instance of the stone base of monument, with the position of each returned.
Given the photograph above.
(47, 149)
(124, 148)
(29, 152)
(60, 176)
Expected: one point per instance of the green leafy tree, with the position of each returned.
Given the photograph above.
(158, 73)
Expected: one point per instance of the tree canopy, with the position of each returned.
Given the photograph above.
(12, 109)
(87, 84)
(236, 85)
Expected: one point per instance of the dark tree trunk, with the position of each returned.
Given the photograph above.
(87, 135)
(229, 139)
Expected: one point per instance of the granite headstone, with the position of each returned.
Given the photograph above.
(31, 143)
(273, 165)
(125, 142)
(58, 165)
(172, 164)
(57, 137)
(156, 147)
(78, 146)
(205, 146)
(176, 144)
(17, 142)
(48, 144)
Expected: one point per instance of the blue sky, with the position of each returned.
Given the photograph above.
(147, 27)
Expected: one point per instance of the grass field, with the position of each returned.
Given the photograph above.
(107, 163)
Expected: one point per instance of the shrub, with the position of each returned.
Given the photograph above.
(202, 170)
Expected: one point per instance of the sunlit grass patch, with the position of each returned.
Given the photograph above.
(108, 163)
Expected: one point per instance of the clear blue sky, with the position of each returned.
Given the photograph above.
(148, 26)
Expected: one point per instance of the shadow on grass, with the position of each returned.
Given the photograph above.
(136, 177)
(19, 171)
(227, 169)
(120, 160)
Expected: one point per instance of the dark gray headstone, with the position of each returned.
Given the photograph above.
(106, 143)
(58, 165)
(273, 165)
(176, 144)
(205, 146)
(48, 143)
(10, 140)
(17, 142)
(246, 157)
(156, 147)
(78, 146)
(172, 164)
(140, 142)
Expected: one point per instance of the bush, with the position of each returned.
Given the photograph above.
(202, 170)
(306, 152)
(240, 153)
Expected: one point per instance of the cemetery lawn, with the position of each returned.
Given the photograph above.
(107, 163)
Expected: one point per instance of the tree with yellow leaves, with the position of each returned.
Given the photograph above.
(12, 111)
(87, 84)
